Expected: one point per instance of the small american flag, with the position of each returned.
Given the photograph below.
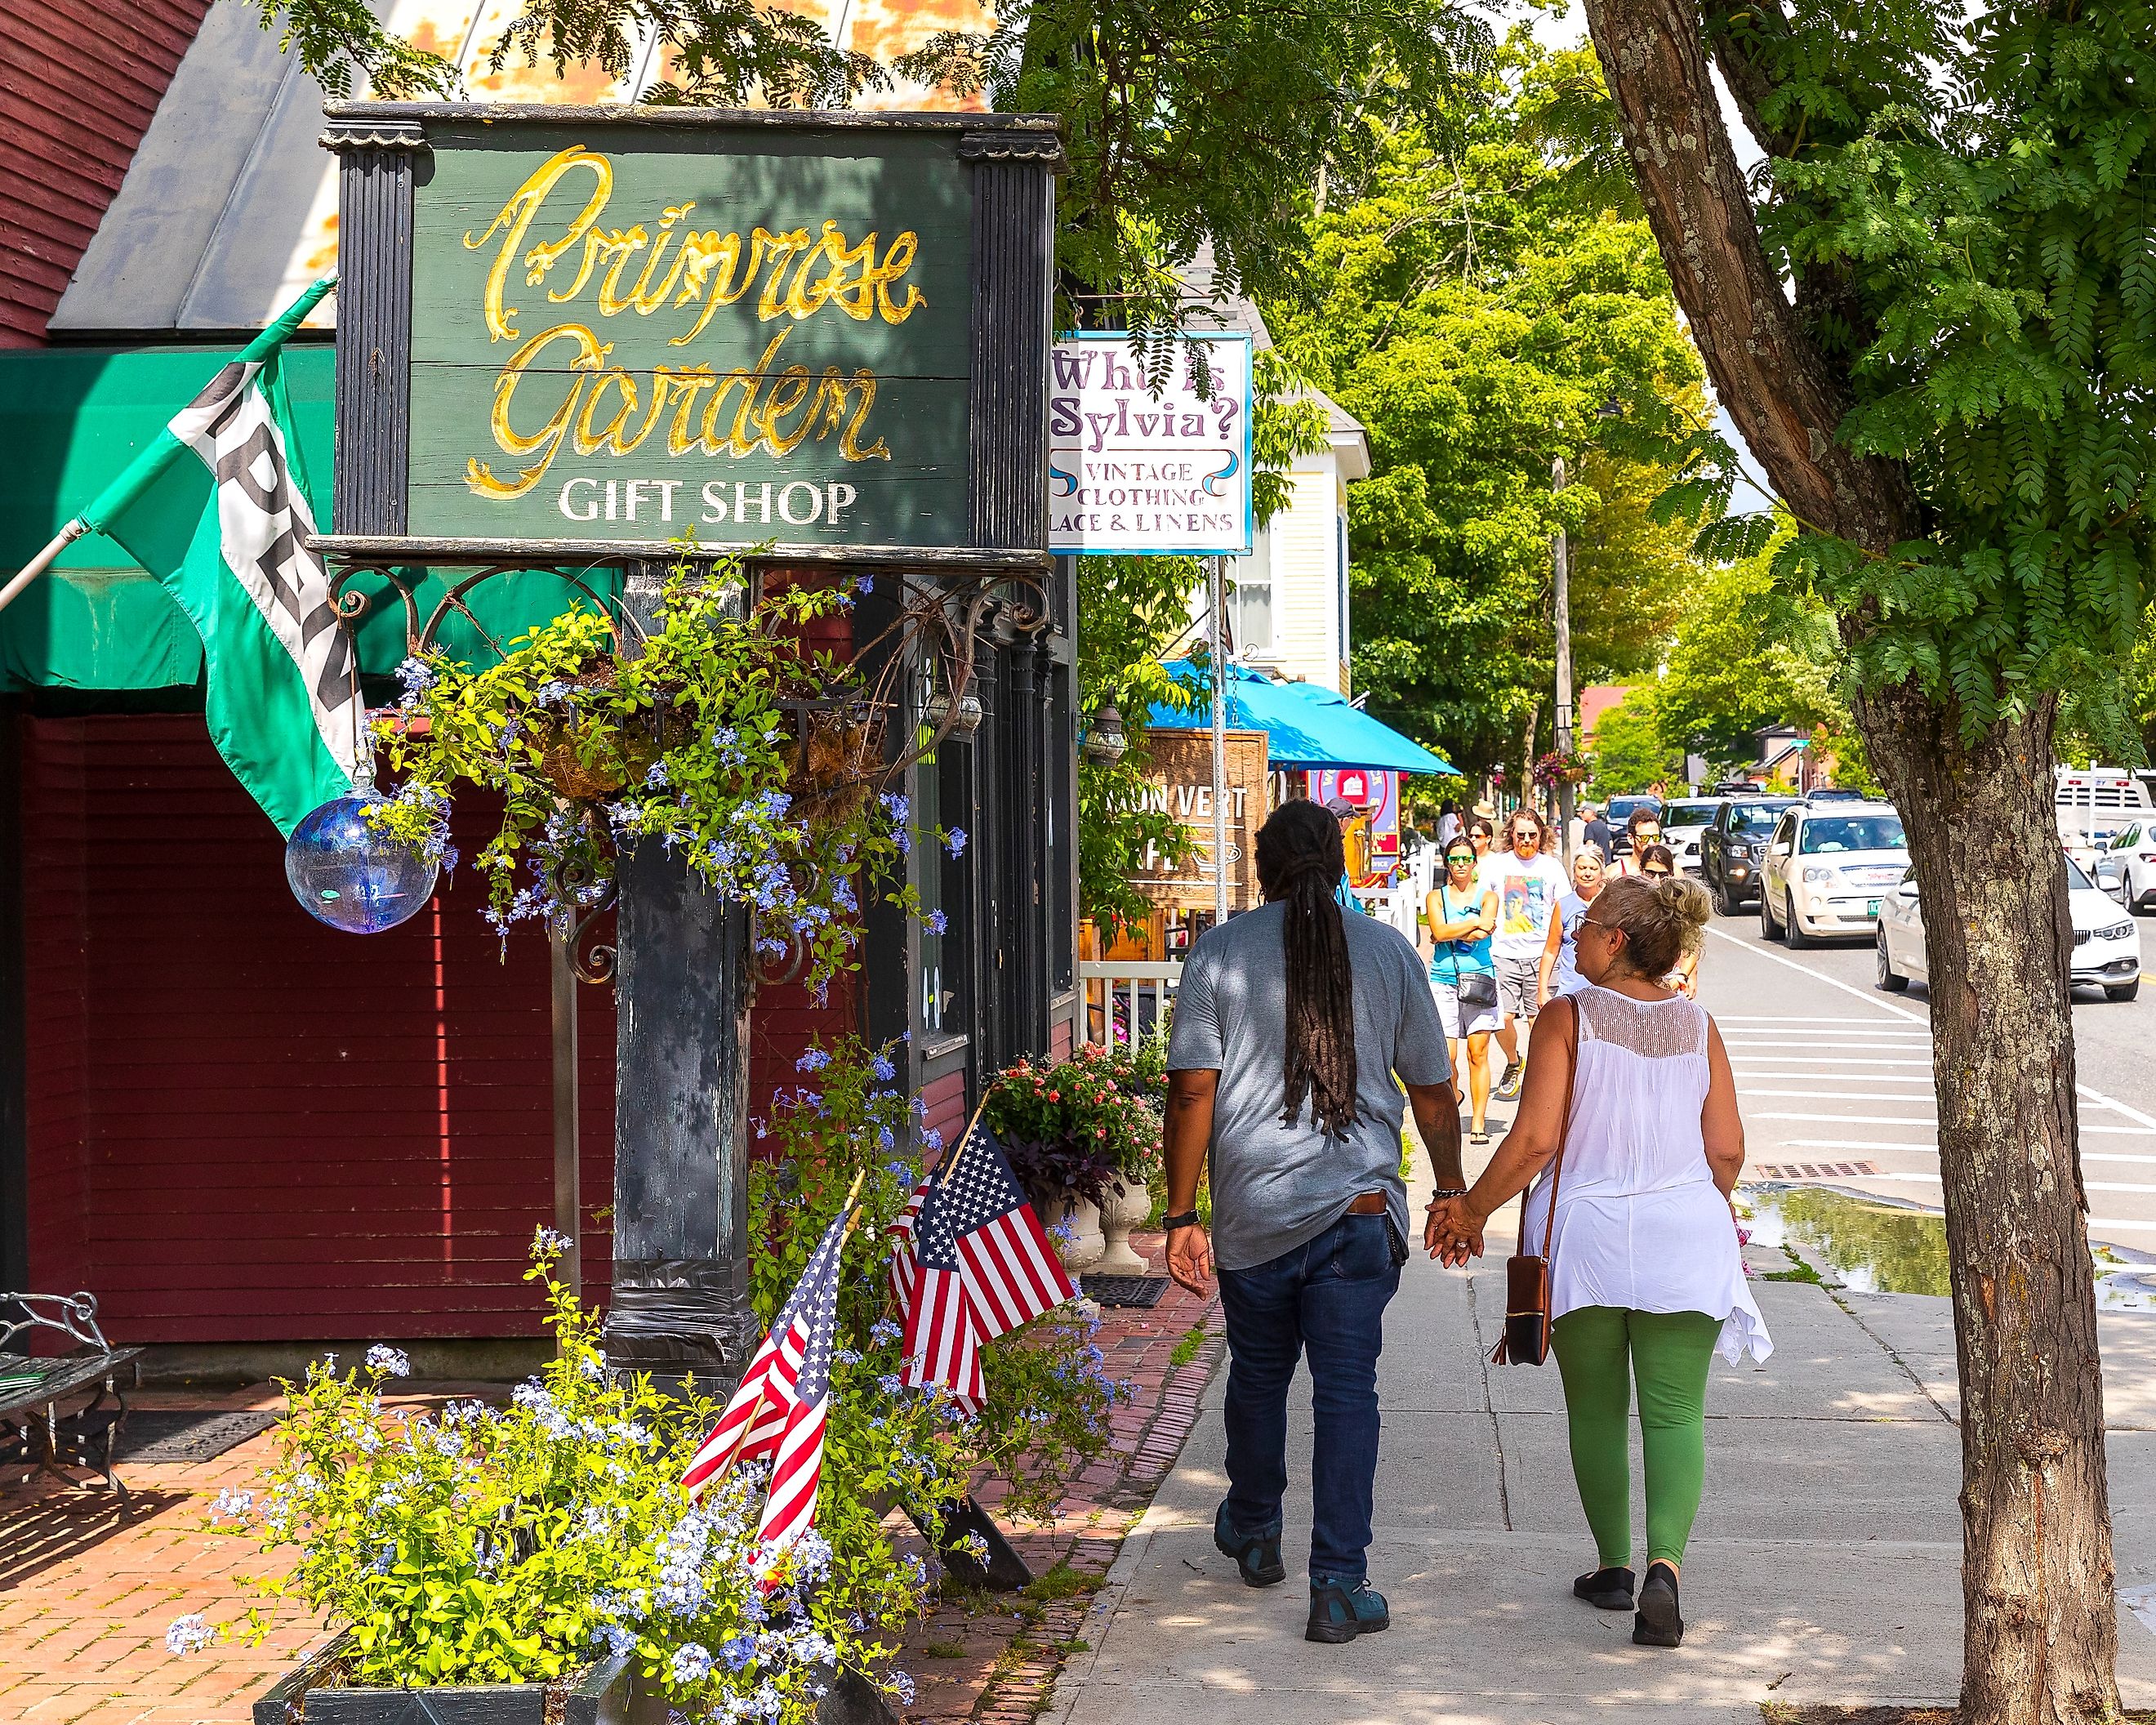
(905, 1267)
(784, 1397)
(984, 1266)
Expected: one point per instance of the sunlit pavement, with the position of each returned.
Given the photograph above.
(1825, 1564)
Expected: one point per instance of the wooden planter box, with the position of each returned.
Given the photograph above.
(609, 1693)
(606, 1694)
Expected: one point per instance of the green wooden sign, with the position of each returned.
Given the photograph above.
(625, 327)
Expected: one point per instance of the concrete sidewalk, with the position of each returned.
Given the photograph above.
(1825, 1565)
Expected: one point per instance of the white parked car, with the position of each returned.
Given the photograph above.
(2095, 804)
(1683, 822)
(2106, 944)
(2126, 869)
(1827, 868)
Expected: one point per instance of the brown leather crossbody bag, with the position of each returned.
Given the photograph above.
(1526, 1341)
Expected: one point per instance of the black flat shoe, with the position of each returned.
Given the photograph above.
(1257, 1555)
(1657, 1623)
(1608, 1589)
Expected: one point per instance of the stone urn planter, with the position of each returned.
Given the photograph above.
(1084, 1249)
(1125, 1205)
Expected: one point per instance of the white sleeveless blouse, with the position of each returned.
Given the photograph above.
(1639, 1221)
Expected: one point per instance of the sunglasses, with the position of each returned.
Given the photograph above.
(1657, 871)
(1456, 858)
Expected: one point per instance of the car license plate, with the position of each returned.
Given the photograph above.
(1871, 907)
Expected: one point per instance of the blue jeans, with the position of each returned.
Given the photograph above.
(1328, 1297)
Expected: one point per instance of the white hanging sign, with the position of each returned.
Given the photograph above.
(1133, 473)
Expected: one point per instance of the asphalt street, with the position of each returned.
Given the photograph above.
(1834, 1077)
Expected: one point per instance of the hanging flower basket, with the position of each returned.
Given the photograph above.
(1562, 767)
(720, 738)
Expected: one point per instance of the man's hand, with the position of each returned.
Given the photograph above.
(1453, 1234)
(1190, 1258)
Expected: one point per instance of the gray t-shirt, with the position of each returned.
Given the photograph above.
(1276, 1187)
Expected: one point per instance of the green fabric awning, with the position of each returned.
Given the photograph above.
(70, 419)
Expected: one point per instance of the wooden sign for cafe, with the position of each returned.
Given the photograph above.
(577, 333)
(1179, 782)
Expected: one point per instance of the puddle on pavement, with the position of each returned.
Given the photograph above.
(1875, 1248)
(1879, 1248)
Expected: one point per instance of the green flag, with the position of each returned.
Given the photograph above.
(213, 509)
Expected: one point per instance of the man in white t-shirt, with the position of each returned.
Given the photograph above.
(1528, 884)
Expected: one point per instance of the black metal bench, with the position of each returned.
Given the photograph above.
(35, 1434)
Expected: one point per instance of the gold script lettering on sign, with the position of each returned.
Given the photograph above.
(515, 222)
(600, 415)
(706, 268)
(607, 410)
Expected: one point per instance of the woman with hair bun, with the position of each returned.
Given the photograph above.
(1646, 1278)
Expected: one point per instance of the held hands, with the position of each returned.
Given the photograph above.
(1453, 1234)
(1190, 1257)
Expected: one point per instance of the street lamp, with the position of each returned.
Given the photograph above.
(1104, 741)
(970, 713)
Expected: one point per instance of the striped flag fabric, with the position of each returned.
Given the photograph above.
(905, 1266)
(781, 1407)
(984, 1267)
(217, 508)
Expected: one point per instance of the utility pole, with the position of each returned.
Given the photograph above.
(1217, 599)
(1561, 585)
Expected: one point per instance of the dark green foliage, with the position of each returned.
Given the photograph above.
(1492, 300)
(1968, 205)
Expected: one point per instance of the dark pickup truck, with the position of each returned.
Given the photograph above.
(1732, 847)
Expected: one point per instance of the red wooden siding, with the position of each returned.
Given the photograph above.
(79, 80)
(247, 1127)
(56, 1003)
(944, 1100)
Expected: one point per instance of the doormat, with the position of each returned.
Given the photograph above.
(1125, 1290)
(186, 1433)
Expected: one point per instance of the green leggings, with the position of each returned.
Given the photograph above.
(1669, 1351)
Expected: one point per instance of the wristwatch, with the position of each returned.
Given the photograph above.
(1187, 1219)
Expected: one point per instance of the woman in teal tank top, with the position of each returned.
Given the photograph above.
(1461, 914)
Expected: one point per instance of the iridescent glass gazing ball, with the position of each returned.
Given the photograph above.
(352, 876)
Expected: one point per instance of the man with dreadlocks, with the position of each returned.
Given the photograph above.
(1291, 1025)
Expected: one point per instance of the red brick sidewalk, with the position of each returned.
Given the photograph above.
(87, 1593)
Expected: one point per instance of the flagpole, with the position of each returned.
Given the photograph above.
(42, 560)
(137, 475)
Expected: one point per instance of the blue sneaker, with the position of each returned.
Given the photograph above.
(1257, 1555)
(1341, 1610)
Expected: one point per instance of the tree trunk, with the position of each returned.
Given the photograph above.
(2040, 1620)
(2039, 1625)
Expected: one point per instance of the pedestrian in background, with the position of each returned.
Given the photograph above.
(1559, 975)
(1596, 831)
(1646, 1276)
(1461, 912)
(1448, 825)
(1658, 862)
(1481, 835)
(1643, 828)
(1528, 884)
(1291, 1024)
